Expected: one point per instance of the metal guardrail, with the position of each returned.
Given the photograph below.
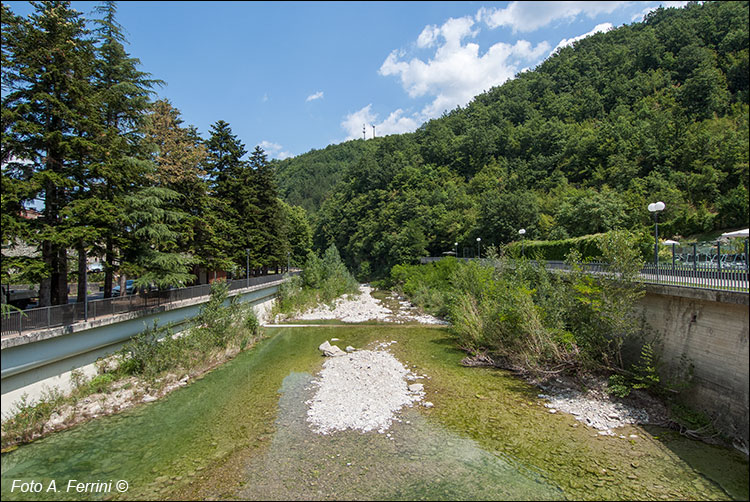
(697, 276)
(685, 276)
(63, 315)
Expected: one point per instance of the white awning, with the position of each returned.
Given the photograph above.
(669, 242)
(736, 233)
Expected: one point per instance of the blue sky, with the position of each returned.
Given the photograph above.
(293, 76)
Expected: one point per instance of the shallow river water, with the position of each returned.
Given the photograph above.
(241, 433)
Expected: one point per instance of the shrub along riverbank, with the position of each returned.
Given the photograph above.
(321, 282)
(528, 319)
(153, 362)
(513, 314)
(150, 365)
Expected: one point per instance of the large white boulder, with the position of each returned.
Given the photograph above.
(330, 350)
(416, 387)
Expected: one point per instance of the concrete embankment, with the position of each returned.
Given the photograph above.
(40, 360)
(708, 331)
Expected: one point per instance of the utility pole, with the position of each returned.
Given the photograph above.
(86, 293)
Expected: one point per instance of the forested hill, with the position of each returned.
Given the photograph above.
(308, 179)
(655, 110)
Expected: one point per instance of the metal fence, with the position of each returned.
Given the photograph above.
(695, 274)
(674, 274)
(62, 315)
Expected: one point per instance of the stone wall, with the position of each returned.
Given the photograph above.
(708, 329)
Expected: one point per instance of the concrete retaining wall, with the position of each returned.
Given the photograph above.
(708, 329)
(38, 361)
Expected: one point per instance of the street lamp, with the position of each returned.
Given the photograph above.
(656, 208)
(521, 233)
(247, 267)
(455, 245)
(479, 248)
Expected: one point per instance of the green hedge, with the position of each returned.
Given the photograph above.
(587, 245)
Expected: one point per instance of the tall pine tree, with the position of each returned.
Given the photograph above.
(268, 239)
(224, 246)
(123, 98)
(178, 154)
(16, 188)
(152, 253)
(47, 122)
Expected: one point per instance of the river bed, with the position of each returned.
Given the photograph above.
(240, 433)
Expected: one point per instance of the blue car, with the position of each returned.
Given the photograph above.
(129, 288)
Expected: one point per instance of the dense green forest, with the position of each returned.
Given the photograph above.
(117, 174)
(654, 110)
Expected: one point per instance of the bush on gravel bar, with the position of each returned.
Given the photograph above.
(322, 281)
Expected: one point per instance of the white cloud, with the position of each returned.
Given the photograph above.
(313, 97)
(457, 72)
(642, 14)
(274, 150)
(395, 123)
(354, 122)
(428, 36)
(530, 16)
(264, 98)
(569, 41)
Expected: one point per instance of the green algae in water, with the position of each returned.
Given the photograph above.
(224, 419)
(418, 460)
(728, 468)
(136, 446)
(176, 436)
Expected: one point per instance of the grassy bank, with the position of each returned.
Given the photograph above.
(152, 363)
(528, 319)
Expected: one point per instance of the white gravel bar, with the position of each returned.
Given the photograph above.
(364, 307)
(362, 390)
(597, 413)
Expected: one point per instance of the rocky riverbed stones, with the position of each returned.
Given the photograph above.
(594, 409)
(416, 387)
(364, 307)
(600, 414)
(362, 390)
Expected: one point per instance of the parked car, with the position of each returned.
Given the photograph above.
(20, 298)
(129, 288)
